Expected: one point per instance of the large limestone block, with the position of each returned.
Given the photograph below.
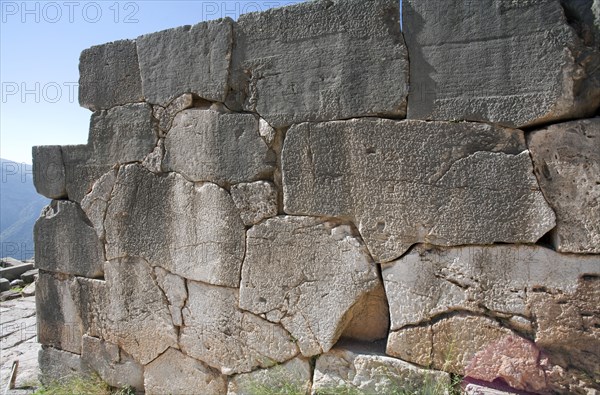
(431, 281)
(449, 344)
(115, 367)
(255, 200)
(120, 135)
(515, 63)
(405, 182)
(218, 333)
(356, 368)
(109, 75)
(225, 148)
(193, 231)
(58, 320)
(128, 309)
(188, 59)
(306, 274)
(320, 60)
(57, 365)
(566, 159)
(66, 242)
(49, 171)
(177, 374)
(292, 377)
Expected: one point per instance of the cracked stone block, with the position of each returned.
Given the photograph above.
(479, 279)
(218, 333)
(120, 135)
(224, 148)
(174, 288)
(115, 367)
(294, 376)
(58, 320)
(514, 63)
(177, 374)
(66, 242)
(165, 115)
(109, 76)
(188, 59)
(95, 203)
(369, 319)
(568, 331)
(406, 182)
(128, 309)
(315, 61)
(306, 274)
(512, 360)
(255, 200)
(56, 365)
(566, 160)
(49, 171)
(449, 344)
(149, 216)
(357, 368)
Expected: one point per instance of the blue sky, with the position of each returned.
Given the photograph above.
(40, 43)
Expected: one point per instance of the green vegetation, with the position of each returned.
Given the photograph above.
(89, 385)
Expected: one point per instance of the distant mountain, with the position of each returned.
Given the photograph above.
(20, 206)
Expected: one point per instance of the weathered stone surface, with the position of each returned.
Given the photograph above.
(109, 75)
(120, 135)
(177, 374)
(57, 364)
(314, 61)
(306, 274)
(405, 182)
(123, 134)
(255, 200)
(82, 169)
(165, 115)
(566, 159)
(478, 389)
(353, 368)
(49, 171)
(58, 320)
(568, 330)
(450, 343)
(513, 360)
(430, 281)
(114, 366)
(369, 318)
(218, 333)
(188, 59)
(207, 145)
(61, 223)
(511, 63)
(293, 376)
(95, 203)
(174, 288)
(128, 309)
(150, 216)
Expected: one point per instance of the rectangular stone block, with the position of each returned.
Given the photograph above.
(405, 182)
(188, 59)
(58, 318)
(66, 242)
(109, 75)
(56, 365)
(515, 63)
(320, 60)
(566, 160)
(49, 171)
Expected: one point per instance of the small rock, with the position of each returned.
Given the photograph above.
(17, 283)
(256, 201)
(29, 276)
(4, 284)
(29, 290)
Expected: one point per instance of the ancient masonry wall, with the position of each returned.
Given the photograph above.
(310, 196)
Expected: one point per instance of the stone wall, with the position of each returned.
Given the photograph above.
(309, 197)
